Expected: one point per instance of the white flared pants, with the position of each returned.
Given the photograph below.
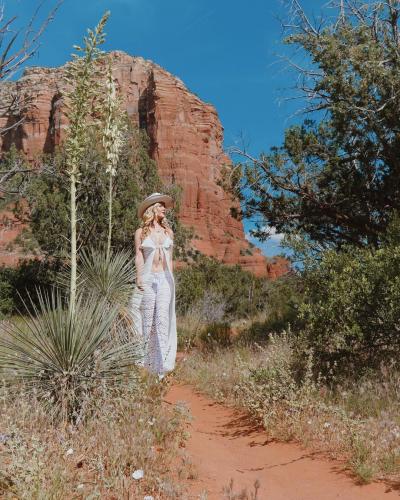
(155, 311)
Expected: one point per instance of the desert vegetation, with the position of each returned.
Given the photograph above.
(312, 356)
(129, 445)
(318, 360)
(79, 416)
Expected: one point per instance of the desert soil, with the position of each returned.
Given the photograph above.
(224, 444)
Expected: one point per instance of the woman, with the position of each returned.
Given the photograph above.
(154, 278)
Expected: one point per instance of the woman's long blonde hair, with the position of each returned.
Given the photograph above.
(149, 216)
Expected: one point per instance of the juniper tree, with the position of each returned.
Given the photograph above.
(335, 178)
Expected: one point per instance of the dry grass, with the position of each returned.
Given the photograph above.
(130, 430)
(359, 422)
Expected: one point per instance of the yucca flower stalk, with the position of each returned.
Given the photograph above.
(82, 79)
(114, 136)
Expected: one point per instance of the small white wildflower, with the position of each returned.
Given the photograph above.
(111, 170)
(80, 487)
(151, 422)
(148, 497)
(138, 474)
(224, 374)
(326, 425)
(70, 451)
(309, 422)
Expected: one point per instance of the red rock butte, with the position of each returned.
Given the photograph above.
(185, 141)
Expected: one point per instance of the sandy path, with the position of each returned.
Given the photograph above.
(224, 445)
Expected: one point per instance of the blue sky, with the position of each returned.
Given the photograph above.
(226, 51)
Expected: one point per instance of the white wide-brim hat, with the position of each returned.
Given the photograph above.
(154, 198)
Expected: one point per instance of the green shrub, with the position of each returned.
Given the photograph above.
(216, 335)
(7, 305)
(352, 308)
(243, 293)
(284, 297)
(18, 285)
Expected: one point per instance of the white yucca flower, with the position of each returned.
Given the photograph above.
(114, 134)
(114, 128)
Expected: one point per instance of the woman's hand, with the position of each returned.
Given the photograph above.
(139, 284)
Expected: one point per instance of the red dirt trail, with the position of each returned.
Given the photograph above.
(225, 445)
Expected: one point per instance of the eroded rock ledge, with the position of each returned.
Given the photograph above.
(185, 141)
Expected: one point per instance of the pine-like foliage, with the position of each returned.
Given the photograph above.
(336, 176)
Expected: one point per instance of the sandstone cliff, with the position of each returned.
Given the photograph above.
(186, 142)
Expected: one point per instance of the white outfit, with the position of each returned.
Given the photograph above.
(157, 318)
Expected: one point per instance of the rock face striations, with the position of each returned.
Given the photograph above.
(185, 141)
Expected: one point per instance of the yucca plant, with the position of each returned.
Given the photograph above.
(109, 277)
(64, 356)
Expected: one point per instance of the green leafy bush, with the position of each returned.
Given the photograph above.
(283, 299)
(6, 293)
(18, 285)
(244, 294)
(352, 308)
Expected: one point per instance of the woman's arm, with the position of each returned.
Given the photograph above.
(139, 259)
(171, 251)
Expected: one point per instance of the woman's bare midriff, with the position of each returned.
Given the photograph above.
(162, 266)
(159, 262)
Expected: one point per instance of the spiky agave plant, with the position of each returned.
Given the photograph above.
(109, 277)
(64, 356)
